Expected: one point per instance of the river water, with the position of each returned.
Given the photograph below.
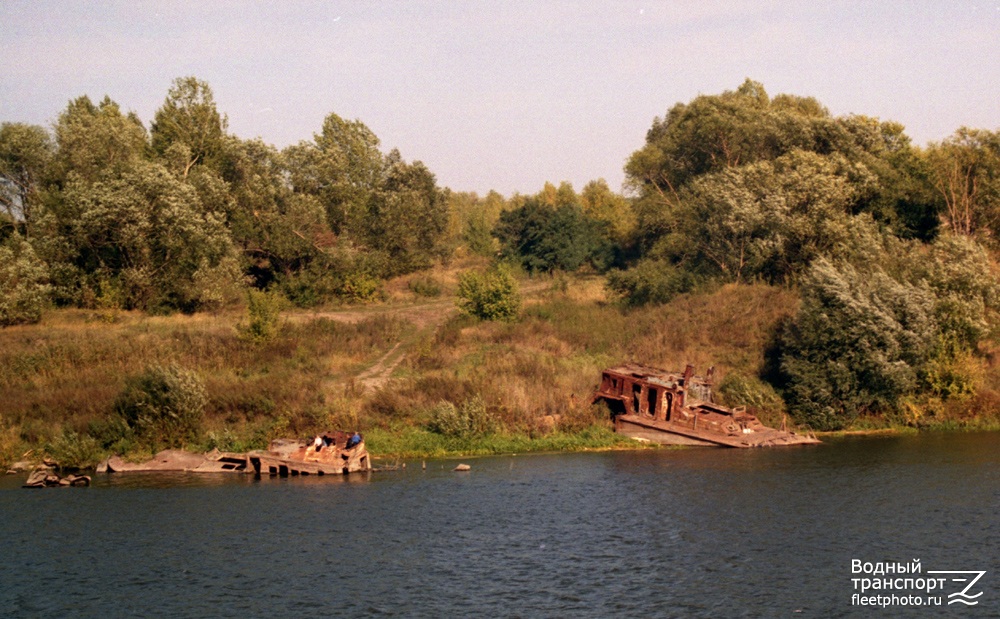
(694, 532)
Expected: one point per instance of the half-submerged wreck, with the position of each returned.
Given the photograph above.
(331, 453)
(674, 408)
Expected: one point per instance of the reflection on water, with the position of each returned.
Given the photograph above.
(691, 532)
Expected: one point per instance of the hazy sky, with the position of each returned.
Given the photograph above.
(504, 95)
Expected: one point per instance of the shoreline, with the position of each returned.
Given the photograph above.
(513, 445)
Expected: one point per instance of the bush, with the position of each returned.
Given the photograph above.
(163, 406)
(755, 394)
(424, 287)
(650, 282)
(23, 292)
(489, 295)
(471, 419)
(856, 345)
(263, 312)
(74, 451)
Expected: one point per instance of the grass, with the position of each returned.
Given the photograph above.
(59, 379)
(418, 442)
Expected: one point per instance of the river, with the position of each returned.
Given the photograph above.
(696, 532)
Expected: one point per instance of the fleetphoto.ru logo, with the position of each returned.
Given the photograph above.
(902, 583)
(966, 580)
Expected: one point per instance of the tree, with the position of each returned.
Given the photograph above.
(856, 345)
(144, 238)
(965, 171)
(903, 321)
(163, 406)
(546, 238)
(611, 209)
(342, 167)
(768, 219)
(406, 216)
(717, 133)
(188, 129)
(25, 153)
(96, 140)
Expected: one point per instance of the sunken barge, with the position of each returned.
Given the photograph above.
(676, 408)
(331, 453)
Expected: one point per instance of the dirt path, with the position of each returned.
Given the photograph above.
(426, 317)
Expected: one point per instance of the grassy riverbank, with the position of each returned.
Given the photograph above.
(391, 370)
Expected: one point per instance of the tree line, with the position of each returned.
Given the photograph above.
(101, 212)
(890, 246)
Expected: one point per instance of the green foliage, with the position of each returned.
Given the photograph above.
(96, 140)
(263, 315)
(188, 130)
(650, 282)
(113, 434)
(470, 419)
(74, 451)
(489, 295)
(25, 154)
(341, 167)
(965, 172)
(471, 221)
(163, 406)
(963, 278)
(737, 389)
(953, 373)
(478, 234)
(857, 345)
(406, 217)
(613, 212)
(23, 287)
(762, 173)
(769, 219)
(144, 228)
(547, 238)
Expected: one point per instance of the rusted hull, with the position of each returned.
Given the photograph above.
(306, 462)
(639, 429)
(667, 433)
(677, 408)
(179, 460)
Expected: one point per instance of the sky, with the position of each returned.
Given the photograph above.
(503, 95)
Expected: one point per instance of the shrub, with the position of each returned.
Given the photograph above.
(472, 418)
(74, 451)
(22, 289)
(855, 346)
(163, 406)
(740, 390)
(425, 287)
(489, 295)
(263, 312)
(650, 282)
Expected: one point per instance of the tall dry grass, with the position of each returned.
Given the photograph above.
(58, 380)
(537, 375)
(63, 376)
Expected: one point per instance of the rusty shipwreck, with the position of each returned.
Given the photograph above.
(331, 453)
(676, 408)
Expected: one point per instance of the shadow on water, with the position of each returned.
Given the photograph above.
(651, 533)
